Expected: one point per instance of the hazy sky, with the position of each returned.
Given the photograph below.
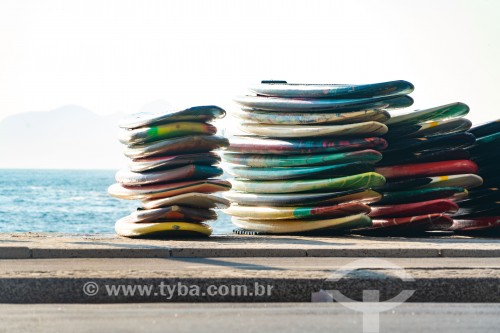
(116, 56)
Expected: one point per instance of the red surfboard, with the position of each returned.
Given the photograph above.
(428, 169)
(414, 209)
(418, 223)
(478, 223)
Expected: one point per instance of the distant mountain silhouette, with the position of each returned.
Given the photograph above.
(67, 137)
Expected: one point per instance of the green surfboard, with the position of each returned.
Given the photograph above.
(298, 172)
(364, 180)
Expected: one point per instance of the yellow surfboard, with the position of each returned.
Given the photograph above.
(162, 229)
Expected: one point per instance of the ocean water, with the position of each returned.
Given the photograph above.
(68, 201)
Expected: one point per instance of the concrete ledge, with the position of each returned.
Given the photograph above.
(34, 245)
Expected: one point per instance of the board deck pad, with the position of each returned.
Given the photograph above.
(364, 180)
(280, 173)
(182, 145)
(257, 145)
(262, 161)
(186, 172)
(302, 199)
(370, 128)
(294, 226)
(203, 113)
(144, 135)
(297, 213)
(310, 118)
(303, 104)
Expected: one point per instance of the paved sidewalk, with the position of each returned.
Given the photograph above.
(39, 245)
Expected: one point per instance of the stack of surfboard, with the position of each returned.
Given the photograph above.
(479, 213)
(172, 172)
(306, 161)
(427, 169)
